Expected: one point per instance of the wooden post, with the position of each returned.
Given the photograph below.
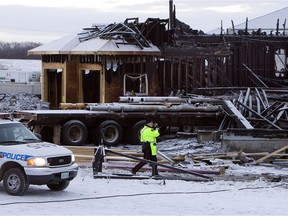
(56, 134)
(164, 78)
(179, 75)
(186, 77)
(171, 74)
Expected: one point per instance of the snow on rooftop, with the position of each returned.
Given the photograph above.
(64, 44)
(266, 23)
(116, 39)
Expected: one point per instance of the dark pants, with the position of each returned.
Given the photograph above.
(147, 156)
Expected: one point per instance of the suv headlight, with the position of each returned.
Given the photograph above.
(72, 158)
(37, 161)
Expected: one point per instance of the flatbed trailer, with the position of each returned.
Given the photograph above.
(115, 123)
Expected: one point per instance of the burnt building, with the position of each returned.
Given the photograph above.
(160, 57)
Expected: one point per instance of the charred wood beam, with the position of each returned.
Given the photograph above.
(230, 88)
(222, 75)
(179, 76)
(255, 78)
(204, 40)
(186, 76)
(197, 52)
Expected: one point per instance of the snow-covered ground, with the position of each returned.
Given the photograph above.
(243, 190)
(89, 196)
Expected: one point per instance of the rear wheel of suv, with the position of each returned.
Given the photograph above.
(15, 182)
(58, 186)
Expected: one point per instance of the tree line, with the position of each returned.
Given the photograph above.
(17, 50)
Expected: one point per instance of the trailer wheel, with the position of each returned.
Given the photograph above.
(186, 129)
(136, 131)
(15, 182)
(109, 133)
(74, 133)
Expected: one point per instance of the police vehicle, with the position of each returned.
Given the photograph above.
(25, 160)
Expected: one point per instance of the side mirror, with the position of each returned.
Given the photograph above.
(38, 136)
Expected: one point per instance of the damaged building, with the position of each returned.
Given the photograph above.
(159, 57)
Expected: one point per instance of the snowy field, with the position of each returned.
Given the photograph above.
(88, 196)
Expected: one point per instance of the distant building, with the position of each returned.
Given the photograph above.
(18, 76)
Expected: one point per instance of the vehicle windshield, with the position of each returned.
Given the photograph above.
(14, 133)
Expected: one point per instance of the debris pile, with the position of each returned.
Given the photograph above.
(253, 110)
(254, 124)
(22, 101)
(205, 158)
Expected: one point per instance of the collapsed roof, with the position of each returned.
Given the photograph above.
(117, 38)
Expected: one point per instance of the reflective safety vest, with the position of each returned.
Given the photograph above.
(148, 134)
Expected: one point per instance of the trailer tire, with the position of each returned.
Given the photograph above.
(74, 133)
(111, 131)
(136, 131)
(186, 129)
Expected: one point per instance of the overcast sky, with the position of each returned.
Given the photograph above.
(45, 21)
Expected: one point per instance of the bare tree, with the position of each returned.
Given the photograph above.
(17, 50)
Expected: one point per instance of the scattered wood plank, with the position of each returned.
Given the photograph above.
(281, 163)
(215, 171)
(271, 154)
(165, 157)
(281, 160)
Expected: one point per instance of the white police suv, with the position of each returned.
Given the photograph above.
(25, 160)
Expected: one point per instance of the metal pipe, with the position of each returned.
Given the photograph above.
(159, 164)
(148, 108)
(151, 99)
(156, 99)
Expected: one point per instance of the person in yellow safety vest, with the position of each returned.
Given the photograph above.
(148, 135)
